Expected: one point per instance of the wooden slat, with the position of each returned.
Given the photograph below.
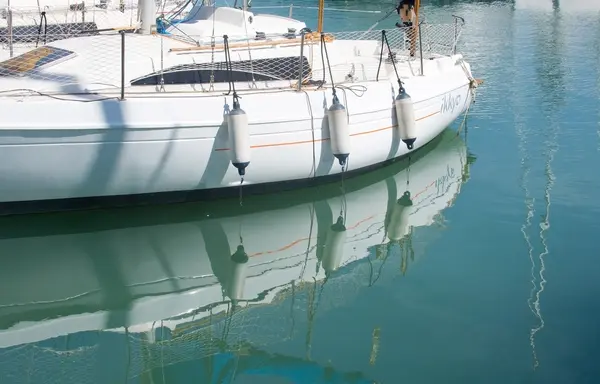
(260, 43)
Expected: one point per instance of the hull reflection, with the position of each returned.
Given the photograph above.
(182, 272)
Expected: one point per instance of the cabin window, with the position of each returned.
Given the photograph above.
(34, 60)
(281, 68)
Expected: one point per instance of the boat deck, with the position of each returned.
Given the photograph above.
(92, 64)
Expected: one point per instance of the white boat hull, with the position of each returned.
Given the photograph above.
(179, 143)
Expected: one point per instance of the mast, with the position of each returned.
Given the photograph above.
(146, 16)
(321, 13)
(415, 29)
(417, 6)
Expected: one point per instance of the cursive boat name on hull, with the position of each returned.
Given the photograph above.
(450, 103)
(442, 183)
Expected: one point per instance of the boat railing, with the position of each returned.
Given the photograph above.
(412, 45)
(124, 62)
(22, 27)
(436, 39)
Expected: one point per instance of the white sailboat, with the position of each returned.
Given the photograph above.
(220, 98)
(146, 265)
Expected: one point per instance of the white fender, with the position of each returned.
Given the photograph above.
(237, 275)
(334, 246)
(405, 115)
(399, 218)
(339, 132)
(239, 139)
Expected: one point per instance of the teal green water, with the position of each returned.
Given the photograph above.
(491, 276)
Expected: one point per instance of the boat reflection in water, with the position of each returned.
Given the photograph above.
(150, 292)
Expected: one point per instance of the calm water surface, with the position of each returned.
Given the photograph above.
(490, 276)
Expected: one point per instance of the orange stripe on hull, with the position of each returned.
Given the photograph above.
(325, 139)
(295, 242)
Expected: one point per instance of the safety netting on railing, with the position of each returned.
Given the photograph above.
(66, 19)
(431, 39)
(27, 25)
(92, 60)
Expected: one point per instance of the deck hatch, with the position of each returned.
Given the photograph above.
(277, 68)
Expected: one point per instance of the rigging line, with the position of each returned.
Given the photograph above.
(370, 268)
(38, 93)
(45, 21)
(312, 128)
(464, 121)
(177, 28)
(253, 85)
(323, 65)
(597, 49)
(551, 147)
(380, 56)
(408, 172)
(343, 202)
(409, 243)
(212, 55)
(235, 367)
(377, 22)
(318, 296)
(226, 51)
(530, 207)
(392, 59)
(529, 202)
(292, 304)
(176, 13)
(162, 64)
(230, 74)
(131, 15)
(128, 348)
(324, 47)
(310, 317)
(379, 271)
(327, 9)
(312, 221)
(191, 17)
(162, 344)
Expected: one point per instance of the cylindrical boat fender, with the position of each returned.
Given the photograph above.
(239, 138)
(334, 246)
(405, 115)
(237, 275)
(399, 218)
(339, 132)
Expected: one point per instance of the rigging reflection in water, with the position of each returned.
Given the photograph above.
(597, 50)
(150, 292)
(551, 74)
